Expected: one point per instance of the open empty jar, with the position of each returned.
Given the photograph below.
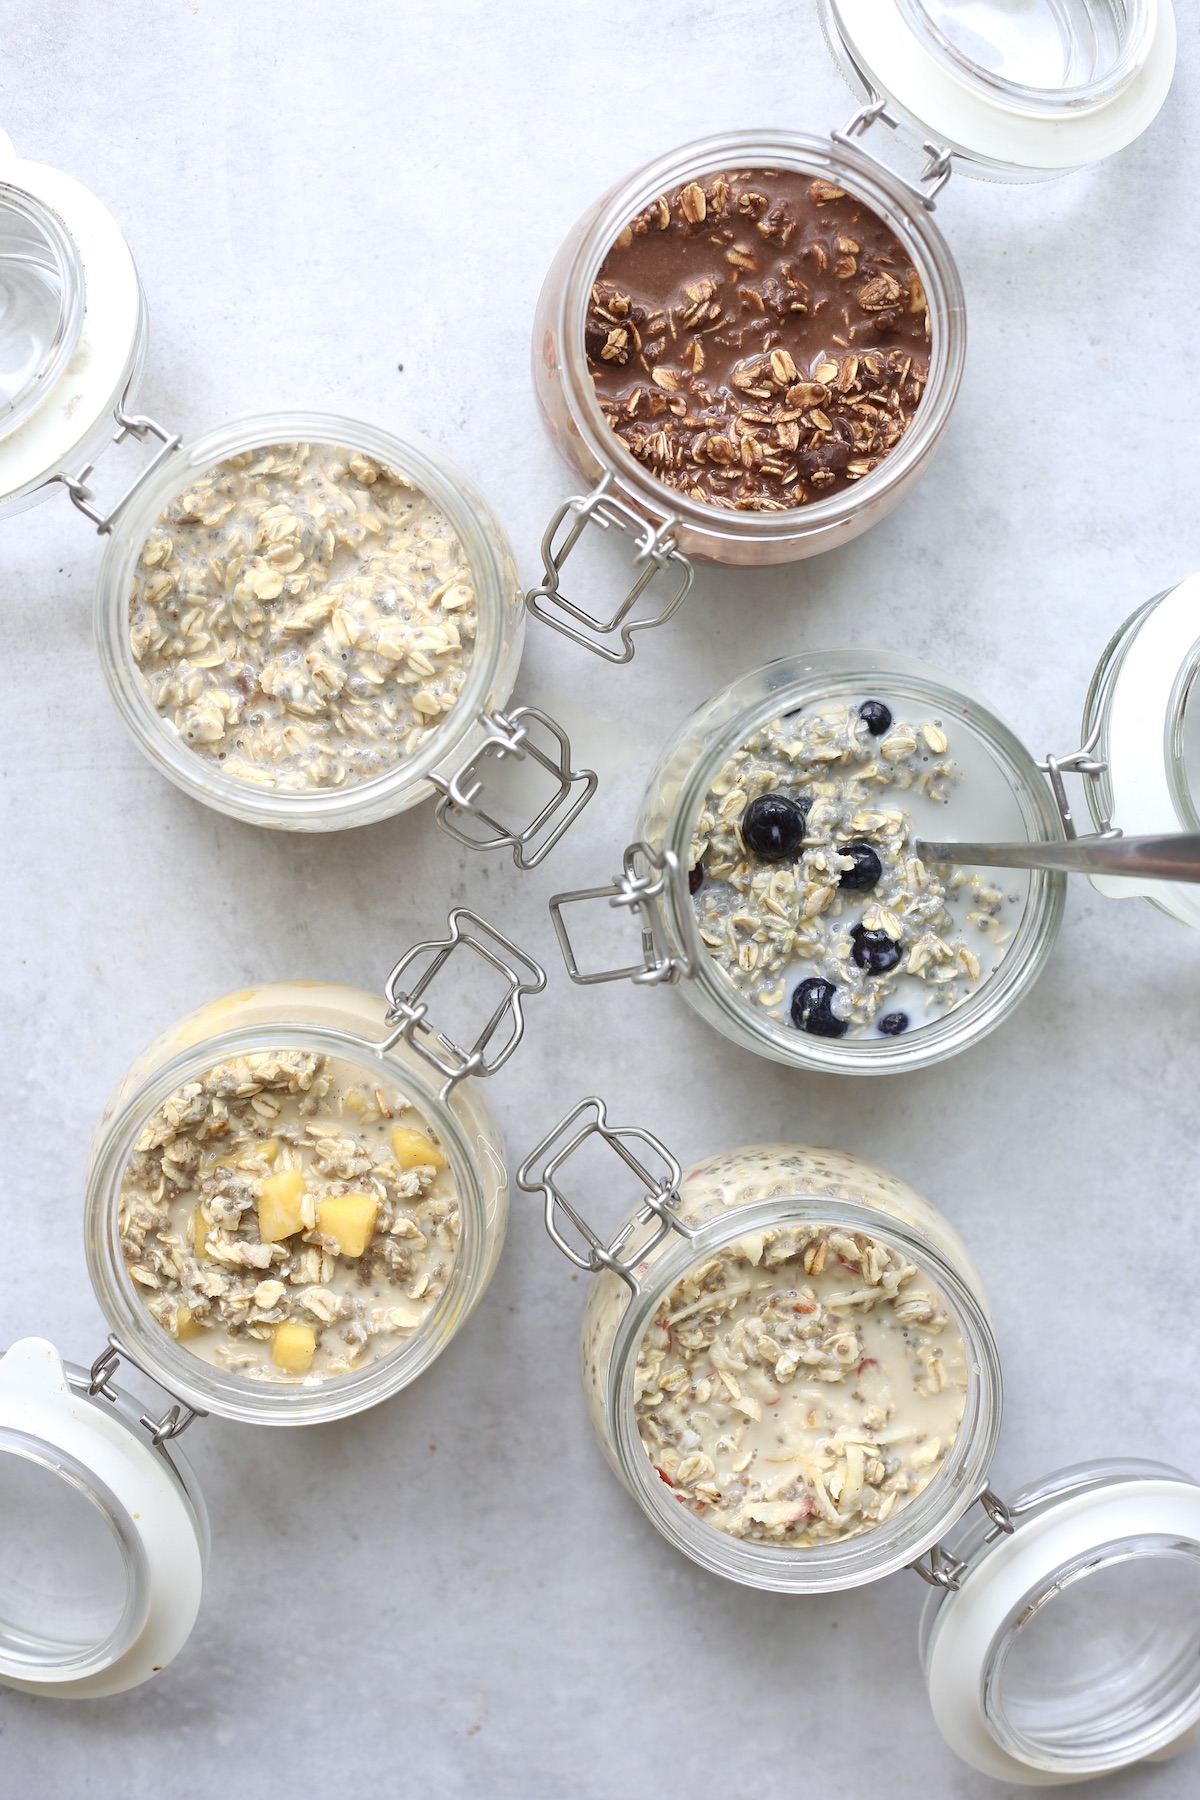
(750, 349)
(296, 1198)
(788, 1360)
(776, 882)
(306, 621)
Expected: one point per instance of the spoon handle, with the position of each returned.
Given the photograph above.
(1172, 857)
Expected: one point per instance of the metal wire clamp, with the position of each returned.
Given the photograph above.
(938, 167)
(538, 1175)
(409, 1012)
(507, 734)
(172, 1424)
(941, 1569)
(131, 425)
(655, 892)
(655, 554)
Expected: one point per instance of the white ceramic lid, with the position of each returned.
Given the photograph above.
(102, 1538)
(1072, 1646)
(1021, 91)
(72, 327)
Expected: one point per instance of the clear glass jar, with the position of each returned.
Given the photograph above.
(453, 744)
(719, 1201)
(1005, 98)
(1013, 803)
(353, 1027)
(1142, 723)
(72, 343)
(1061, 1637)
(103, 1534)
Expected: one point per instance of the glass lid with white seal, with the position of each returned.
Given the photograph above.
(1063, 1637)
(72, 328)
(1016, 89)
(103, 1534)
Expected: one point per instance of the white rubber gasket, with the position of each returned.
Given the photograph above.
(971, 1619)
(982, 126)
(37, 1400)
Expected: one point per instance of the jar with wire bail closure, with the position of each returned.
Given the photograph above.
(296, 1198)
(970, 99)
(307, 621)
(727, 1297)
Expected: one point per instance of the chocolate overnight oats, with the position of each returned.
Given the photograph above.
(807, 891)
(285, 1220)
(759, 341)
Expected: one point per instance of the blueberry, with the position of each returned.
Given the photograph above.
(892, 1024)
(866, 871)
(875, 716)
(812, 1011)
(773, 826)
(874, 951)
(696, 878)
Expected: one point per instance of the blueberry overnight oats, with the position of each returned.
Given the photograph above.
(303, 617)
(806, 889)
(287, 1221)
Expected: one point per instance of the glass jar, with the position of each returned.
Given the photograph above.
(72, 341)
(81, 1463)
(984, 92)
(1011, 802)
(1141, 724)
(1061, 1640)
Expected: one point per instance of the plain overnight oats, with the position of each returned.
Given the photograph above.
(287, 1219)
(806, 889)
(303, 617)
(800, 1386)
(759, 340)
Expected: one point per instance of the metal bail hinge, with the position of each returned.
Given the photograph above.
(408, 1010)
(172, 1424)
(508, 735)
(933, 176)
(656, 893)
(131, 425)
(655, 555)
(1080, 762)
(537, 1175)
(940, 1569)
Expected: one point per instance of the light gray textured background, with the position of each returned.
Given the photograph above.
(451, 1595)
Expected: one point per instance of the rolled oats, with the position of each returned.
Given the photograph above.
(303, 617)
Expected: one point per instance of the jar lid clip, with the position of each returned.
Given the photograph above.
(507, 734)
(658, 900)
(537, 1175)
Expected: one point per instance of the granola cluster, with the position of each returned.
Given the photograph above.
(303, 617)
(758, 342)
(801, 1386)
(278, 1220)
(813, 916)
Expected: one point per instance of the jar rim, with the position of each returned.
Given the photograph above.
(380, 796)
(870, 1555)
(1136, 31)
(872, 183)
(1032, 942)
(189, 1377)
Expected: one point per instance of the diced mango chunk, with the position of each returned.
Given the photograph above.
(293, 1347)
(280, 1203)
(412, 1149)
(349, 1219)
(199, 1233)
(185, 1323)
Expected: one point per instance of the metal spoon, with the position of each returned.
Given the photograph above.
(1172, 857)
